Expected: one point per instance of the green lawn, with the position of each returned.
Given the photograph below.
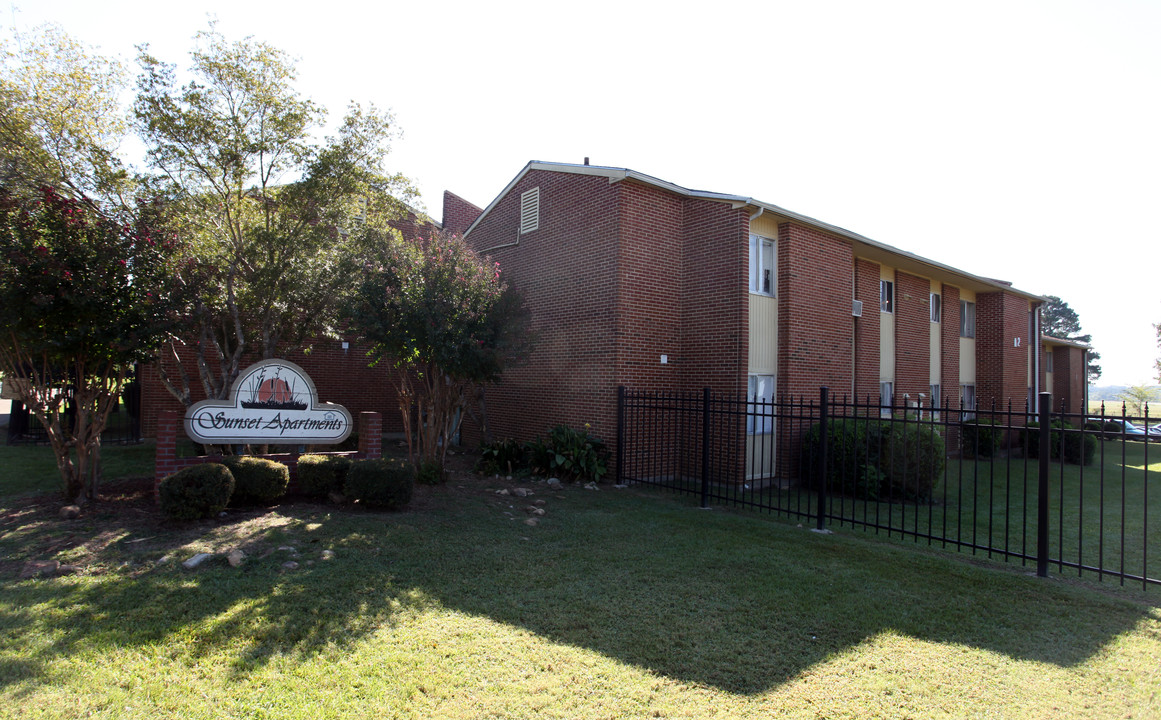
(992, 504)
(618, 604)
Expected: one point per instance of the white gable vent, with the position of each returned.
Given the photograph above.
(530, 210)
(857, 308)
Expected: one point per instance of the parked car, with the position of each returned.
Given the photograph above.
(1155, 430)
(1118, 428)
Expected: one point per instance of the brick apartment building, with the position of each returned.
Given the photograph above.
(635, 281)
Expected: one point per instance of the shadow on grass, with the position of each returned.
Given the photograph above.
(736, 602)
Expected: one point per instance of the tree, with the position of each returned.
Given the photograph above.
(84, 297)
(447, 323)
(277, 217)
(1137, 399)
(61, 121)
(1058, 320)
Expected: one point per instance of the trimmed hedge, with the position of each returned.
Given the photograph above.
(197, 491)
(872, 459)
(257, 481)
(980, 438)
(1079, 448)
(320, 475)
(384, 483)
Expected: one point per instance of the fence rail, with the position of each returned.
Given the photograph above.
(1074, 498)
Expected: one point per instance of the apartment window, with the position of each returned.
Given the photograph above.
(967, 319)
(936, 401)
(887, 296)
(936, 308)
(967, 395)
(760, 399)
(1048, 361)
(763, 278)
(530, 210)
(886, 397)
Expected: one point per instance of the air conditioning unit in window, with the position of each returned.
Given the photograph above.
(856, 308)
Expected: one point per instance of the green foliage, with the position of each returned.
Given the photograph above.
(197, 491)
(501, 457)
(384, 483)
(442, 317)
(1077, 447)
(61, 119)
(257, 481)
(429, 473)
(279, 216)
(1138, 398)
(84, 297)
(320, 475)
(569, 454)
(980, 438)
(1058, 320)
(876, 459)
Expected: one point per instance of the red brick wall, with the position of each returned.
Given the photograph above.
(715, 307)
(815, 329)
(912, 336)
(458, 214)
(949, 348)
(868, 344)
(1001, 367)
(340, 376)
(567, 271)
(649, 298)
(1068, 377)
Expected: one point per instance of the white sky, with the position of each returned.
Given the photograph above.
(1014, 139)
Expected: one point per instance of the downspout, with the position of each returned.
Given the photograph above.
(505, 245)
(1036, 359)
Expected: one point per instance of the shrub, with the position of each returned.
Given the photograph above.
(572, 454)
(384, 483)
(980, 438)
(874, 460)
(320, 475)
(913, 456)
(1078, 447)
(847, 470)
(429, 472)
(197, 491)
(257, 481)
(501, 457)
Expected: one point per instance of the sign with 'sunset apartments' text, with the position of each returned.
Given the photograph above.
(272, 402)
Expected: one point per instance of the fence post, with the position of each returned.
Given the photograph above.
(1045, 412)
(823, 409)
(705, 449)
(620, 433)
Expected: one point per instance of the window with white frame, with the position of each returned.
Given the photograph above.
(967, 394)
(936, 308)
(967, 319)
(886, 397)
(887, 296)
(936, 390)
(1048, 361)
(760, 404)
(763, 274)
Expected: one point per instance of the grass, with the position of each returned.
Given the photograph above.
(1107, 514)
(620, 603)
(31, 469)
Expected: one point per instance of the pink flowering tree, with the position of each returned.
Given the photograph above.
(447, 323)
(83, 297)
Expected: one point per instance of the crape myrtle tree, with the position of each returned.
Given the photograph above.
(276, 216)
(1058, 320)
(84, 297)
(445, 321)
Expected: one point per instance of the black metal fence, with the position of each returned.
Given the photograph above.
(123, 426)
(1075, 498)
